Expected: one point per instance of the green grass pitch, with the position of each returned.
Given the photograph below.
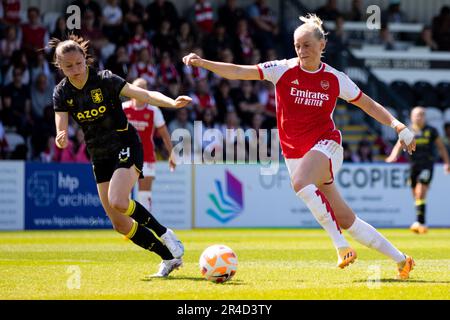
(273, 264)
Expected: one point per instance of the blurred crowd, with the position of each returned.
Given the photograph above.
(133, 40)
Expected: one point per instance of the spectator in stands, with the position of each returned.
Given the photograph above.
(329, 11)
(40, 65)
(41, 132)
(60, 31)
(133, 13)
(247, 103)
(207, 122)
(229, 15)
(119, 62)
(216, 42)
(173, 90)
(41, 95)
(34, 35)
(137, 42)
(441, 29)
(17, 104)
(446, 138)
(89, 31)
(145, 68)
(49, 154)
(8, 45)
(203, 17)
(157, 12)
(348, 153)
(224, 100)
(202, 99)
(18, 61)
(164, 40)
(264, 24)
(232, 138)
(11, 12)
(90, 5)
(393, 13)
(244, 42)
(112, 22)
(3, 142)
(364, 152)
(76, 150)
(186, 38)
(426, 39)
(337, 42)
(166, 71)
(356, 12)
(387, 39)
(181, 122)
(255, 140)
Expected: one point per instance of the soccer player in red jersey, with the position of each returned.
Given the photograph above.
(146, 118)
(306, 94)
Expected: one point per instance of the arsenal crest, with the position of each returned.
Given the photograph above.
(324, 84)
(146, 116)
(96, 95)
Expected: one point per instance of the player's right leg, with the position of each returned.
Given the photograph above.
(364, 233)
(145, 185)
(309, 172)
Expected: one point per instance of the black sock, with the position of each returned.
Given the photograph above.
(420, 210)
(147, 240)
(145, 218)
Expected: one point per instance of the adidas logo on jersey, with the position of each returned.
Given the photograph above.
(295, 82)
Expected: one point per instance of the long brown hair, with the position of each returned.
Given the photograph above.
(73, 43)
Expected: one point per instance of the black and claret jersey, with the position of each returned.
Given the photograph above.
(425, 139)
(97, 108)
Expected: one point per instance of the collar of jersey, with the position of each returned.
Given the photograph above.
(87, 78)
(318, 70)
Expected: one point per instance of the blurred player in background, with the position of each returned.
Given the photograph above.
(306, 94)
(93, 100)
(146, 118)
(422, 163)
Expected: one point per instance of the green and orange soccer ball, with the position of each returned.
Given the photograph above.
(218, 263)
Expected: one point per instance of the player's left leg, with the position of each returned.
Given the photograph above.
(120, 187)
(363, 232)
(420, 194)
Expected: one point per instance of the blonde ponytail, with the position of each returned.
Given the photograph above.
(313, 21)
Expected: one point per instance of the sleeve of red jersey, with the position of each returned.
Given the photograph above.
(158, 119)
(348, 90)
(272, 70)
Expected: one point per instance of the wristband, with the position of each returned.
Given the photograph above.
(406, 135)
(395, 123)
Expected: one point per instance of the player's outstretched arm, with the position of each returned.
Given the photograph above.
(62, 124)
(164, 133)
(225, 70)
(443, 153)
(395, 153)
(153, 97)
(379, 113)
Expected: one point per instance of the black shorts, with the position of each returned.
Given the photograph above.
(421, 174)
(129, 156)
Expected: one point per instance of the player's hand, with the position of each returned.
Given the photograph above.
(446, 168)
(61, 139)
(182, 101)
(406, 138)
(192, 59)
(172, 163)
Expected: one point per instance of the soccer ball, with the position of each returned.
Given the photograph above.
(218, 263)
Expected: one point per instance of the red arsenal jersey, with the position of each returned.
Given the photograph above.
(145, 121)
(305, 103)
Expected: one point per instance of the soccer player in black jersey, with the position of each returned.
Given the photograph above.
(92, 98)
(422, 163)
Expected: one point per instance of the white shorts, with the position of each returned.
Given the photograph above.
(331, 149)
(149, 169)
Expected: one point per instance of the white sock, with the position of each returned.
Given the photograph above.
(322, 211)
(145, 198)
(367, 235)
